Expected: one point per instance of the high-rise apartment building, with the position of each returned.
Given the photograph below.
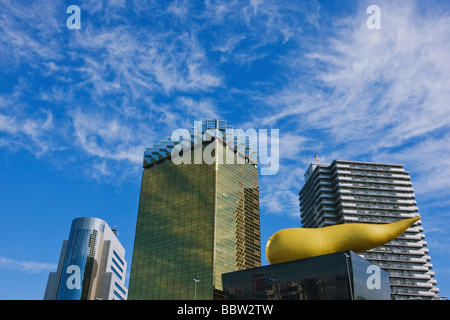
(197, 218)
(349, 192)
(91, 266)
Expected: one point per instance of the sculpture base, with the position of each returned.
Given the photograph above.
(336, 276)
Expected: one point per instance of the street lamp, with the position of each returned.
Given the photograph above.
(195, 288)
(349, 280)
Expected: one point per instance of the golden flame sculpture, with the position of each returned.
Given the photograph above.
(299, 243)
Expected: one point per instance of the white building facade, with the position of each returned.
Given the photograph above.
(92, 264)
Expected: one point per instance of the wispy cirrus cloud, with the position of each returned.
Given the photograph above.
(26, 266)
(27, 133)
(246, 32)
(102, 89)
(374, 94)
(367, 78)
(138, 62)
(429, 162)
(330, 85)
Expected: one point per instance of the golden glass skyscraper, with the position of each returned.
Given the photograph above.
(197, 219)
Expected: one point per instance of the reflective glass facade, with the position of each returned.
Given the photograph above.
(82, 251)
(92, 264)
(328, 277)
(195, 221)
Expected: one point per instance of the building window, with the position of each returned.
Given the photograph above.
(120, 288)
(117, 265)
(117, 256)
(118, 295)
(115, 271)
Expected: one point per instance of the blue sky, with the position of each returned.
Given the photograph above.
(78, 107)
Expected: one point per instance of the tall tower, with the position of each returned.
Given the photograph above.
(92, 264)
(349, 192)
(198, 214)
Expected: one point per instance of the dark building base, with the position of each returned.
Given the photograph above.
(337, 276)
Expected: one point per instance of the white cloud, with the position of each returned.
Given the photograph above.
(29, 133)
(26, 266)
(7, 124)
(291, 145)
(376, 94)
(196, 109)
(107, 139)
(279, 193)
(386, 88)
(140, 62)
(113, 70)
(428, 160)
(27, 32)
(245, 32)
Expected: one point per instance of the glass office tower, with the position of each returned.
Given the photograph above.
(92, 264)
(366, 192)
(196, 220)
